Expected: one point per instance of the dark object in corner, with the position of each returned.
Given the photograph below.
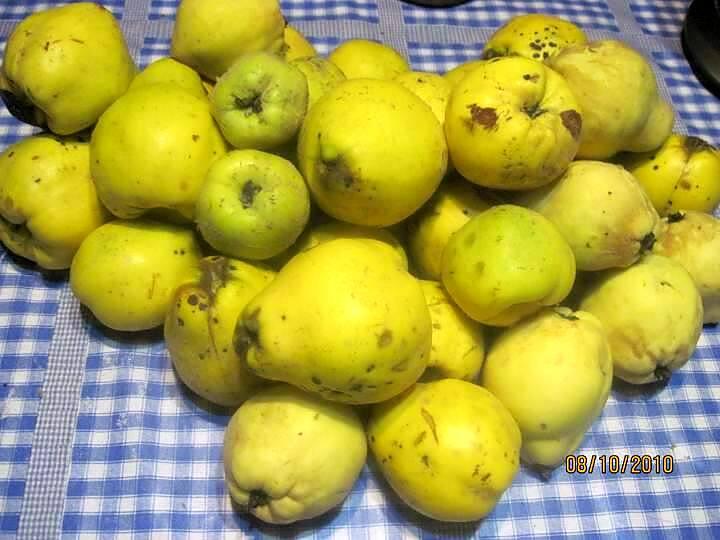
(701, 42)
(436, 3)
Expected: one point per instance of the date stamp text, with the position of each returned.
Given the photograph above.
(619, 464)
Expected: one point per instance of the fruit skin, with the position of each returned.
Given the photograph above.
(452, 206)
(321, 75)
(357, 331)
(296, 45)
(291, 456)
(152, 149)
(683, 174)
(458, 345)
(203, 39)
(126, 272)
(200, 324)
(535, 36)
(48, 203)
(365, 59)
(451, 437)
(601, 211)
(528, 369)
(169, 70)
(333, 230)
(382, 170)
(616, 118)
(507, 263)
(513, 124)
(260, 102)
(693, 239)
(253, 205)
(64, 66)
(660, 320)
(458, 73)
(432, 88)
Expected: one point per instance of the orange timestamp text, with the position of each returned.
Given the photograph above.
(619, 464)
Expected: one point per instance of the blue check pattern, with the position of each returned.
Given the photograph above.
(140, 457)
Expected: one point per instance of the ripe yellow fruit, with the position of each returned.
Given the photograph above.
(448, 448)
(365, 59)
(458, 344)
(693, 239)
(126, 272)
(513, 124)
(210, 36)
(433, 89)
(652, 313)
(429, 230)
(200, 324)
(48, 202)
(296, 45)
(383, 169)
(343, 320)
(535, 35)
(291, 456)
(507, 263)
(529, 368)
(683, 174)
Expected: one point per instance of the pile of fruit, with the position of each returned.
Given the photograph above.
(448, 269)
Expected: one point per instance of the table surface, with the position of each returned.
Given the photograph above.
(97, 438)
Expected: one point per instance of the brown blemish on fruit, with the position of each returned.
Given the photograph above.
(485, 116)
(572, 121)
(543, 426)
(335, 173)
(535, 77)
(249, 191)
(684, 184)
(693, 145)
(192, 300)
(316, 380)
(151, 291)
(420, 438)
(247, 334)
(426, 461)
(675, 217)
(476, 472)
(430, 421)
(493, 53)
(370, 368)
(385, 338)
(180, 322)
(401, 366)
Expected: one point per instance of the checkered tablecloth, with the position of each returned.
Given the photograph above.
(98, 439)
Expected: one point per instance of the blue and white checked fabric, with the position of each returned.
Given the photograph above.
(98, 439)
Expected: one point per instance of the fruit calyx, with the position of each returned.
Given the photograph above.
(251, 104)
(533, 111)
(257, 498)
(647, 242)
(662, 373)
